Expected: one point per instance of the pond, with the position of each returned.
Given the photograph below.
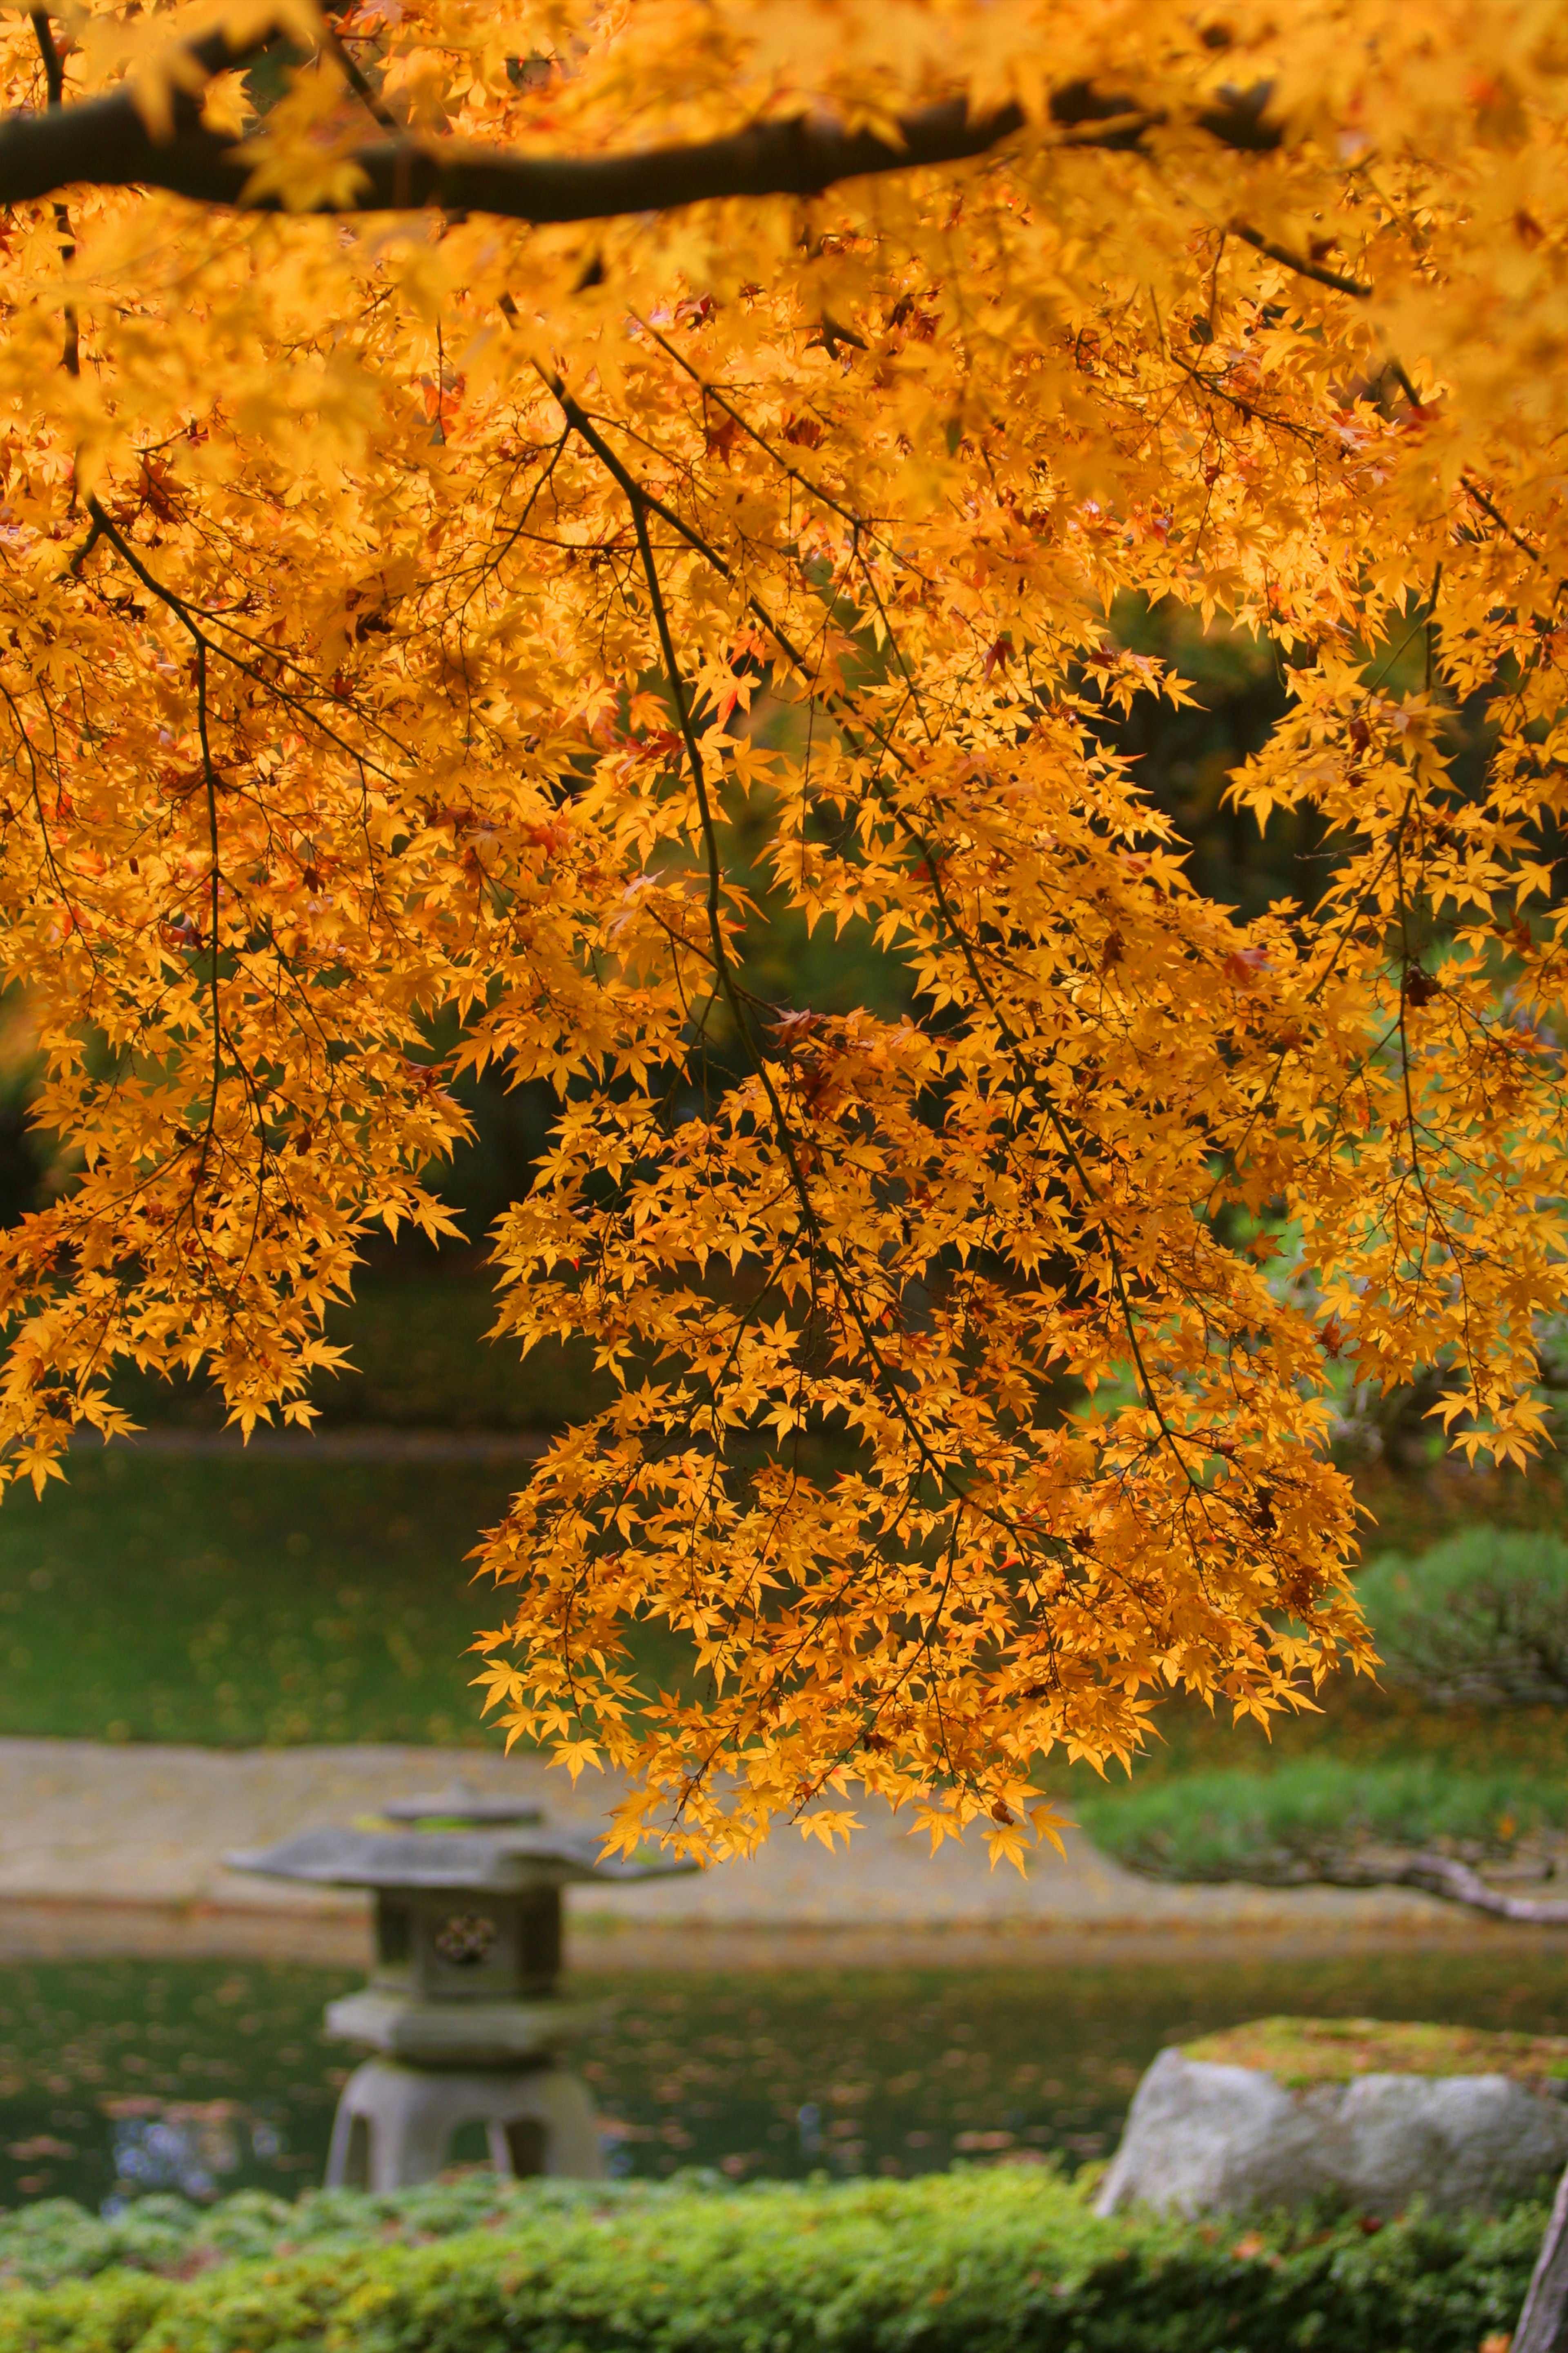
(122, 2076)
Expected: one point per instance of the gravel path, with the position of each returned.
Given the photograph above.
(121, 1849)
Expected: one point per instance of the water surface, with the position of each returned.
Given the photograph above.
(117, 2076)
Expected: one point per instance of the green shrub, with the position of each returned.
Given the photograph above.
(53, 2239)
(1004, 2262)
(1482, 1617)
(1302, 1820)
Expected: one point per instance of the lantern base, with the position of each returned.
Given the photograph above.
(394, 2125)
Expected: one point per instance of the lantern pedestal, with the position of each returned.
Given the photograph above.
(395, 2124)
(462, 2008)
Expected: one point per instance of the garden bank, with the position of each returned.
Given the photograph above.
(119, 1848)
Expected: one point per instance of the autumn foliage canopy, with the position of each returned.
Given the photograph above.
(465, 465)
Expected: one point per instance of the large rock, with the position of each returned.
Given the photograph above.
(1202, 2136)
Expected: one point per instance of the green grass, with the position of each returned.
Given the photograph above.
(1213, 1800)
(1357, 1722)
(240, 1599)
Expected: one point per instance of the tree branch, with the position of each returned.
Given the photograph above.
(105, 143)
(1435, 1874)
(1439, 1875)
(54, 69)
(55, 83)
(1300, 264)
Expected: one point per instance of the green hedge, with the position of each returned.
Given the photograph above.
(1479, 1617)
(1004, 2262)
(1280, 1827)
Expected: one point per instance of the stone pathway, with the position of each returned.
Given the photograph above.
(106, 1849)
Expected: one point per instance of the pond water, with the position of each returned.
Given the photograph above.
(120, 2076)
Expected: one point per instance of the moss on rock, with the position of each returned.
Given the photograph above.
(1301, 2052)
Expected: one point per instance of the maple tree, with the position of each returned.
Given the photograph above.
(464, 465)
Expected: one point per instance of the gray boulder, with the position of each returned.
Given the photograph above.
(1202, 2137)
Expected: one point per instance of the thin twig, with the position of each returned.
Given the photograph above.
(337, 48)
(55, 83)
(1301, 265)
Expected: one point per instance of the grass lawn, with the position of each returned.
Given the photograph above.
(240, 1599)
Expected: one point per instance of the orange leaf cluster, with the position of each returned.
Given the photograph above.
(400, 609)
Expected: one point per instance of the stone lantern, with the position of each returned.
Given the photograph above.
(462, 2008)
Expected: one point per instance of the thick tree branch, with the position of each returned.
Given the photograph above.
(1441, 1876)
(1435, 1874)
(105, 143)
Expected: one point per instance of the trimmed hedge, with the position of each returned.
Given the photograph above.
(1479, 1618)
(1282, 1827)
(1006, 2262)
(54, 2239)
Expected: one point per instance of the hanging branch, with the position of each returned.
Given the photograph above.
(55, 83)
(106, 143)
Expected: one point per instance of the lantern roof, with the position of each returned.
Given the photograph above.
(459, 1837)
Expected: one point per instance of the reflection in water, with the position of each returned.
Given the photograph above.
(190, 2145)
(121, 2077)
